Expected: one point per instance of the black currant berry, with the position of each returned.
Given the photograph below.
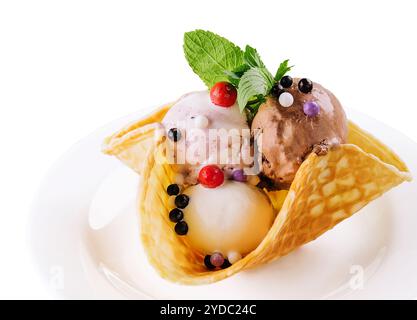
(305, 85)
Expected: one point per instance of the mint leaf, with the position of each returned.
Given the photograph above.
(239, 71)
(256, 81)
(252, 57)
(210, 55)
(234, 76)
(282, 70)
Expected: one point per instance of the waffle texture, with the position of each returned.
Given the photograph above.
(326, 190)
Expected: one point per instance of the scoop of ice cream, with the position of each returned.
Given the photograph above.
(292, 129)
(230, 219)
(209, 134)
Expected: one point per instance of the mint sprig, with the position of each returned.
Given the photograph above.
(210, 55)
(214, 58)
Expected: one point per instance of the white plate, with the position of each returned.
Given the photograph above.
(85, 239)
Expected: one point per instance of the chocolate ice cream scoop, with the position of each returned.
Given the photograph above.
(293, 124)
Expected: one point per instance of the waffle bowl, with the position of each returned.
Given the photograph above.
(326, 190)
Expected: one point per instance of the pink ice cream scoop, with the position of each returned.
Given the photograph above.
(205, 133)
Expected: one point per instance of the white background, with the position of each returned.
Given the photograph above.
(68, 67)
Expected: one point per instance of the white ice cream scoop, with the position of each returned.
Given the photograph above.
(234, 217)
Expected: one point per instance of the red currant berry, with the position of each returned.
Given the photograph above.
(223, 94)
(211, 176)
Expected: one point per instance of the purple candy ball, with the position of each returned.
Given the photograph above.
(311, 109)
(239, 175)
(216, 259)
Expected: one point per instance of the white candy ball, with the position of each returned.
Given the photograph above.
(234, 257)
(201, 122)
(286, 99)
